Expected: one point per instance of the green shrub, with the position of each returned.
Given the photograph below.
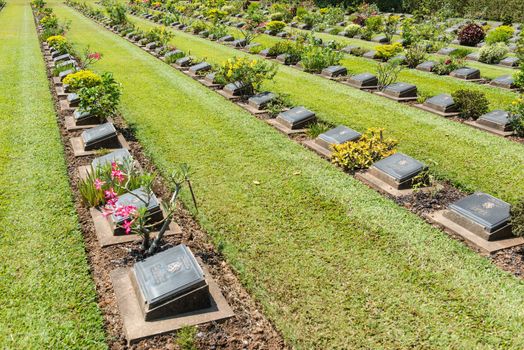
(352, 30)
(277, 16)
(493, 53)
(256, 49)
(385, 52)
(361, 154)
(185, 338)
(516, 120)
(251, 73)
(415, 55)
(101, 100)
(317, 128)
(275, 26)
(517, 218)
(471, 104)
(316, 58)
(278, 104)
(501, 34)
(375, 24)
(519, 77)
(81, 79)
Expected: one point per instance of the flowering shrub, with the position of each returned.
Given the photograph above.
(471, 34)
(81, 79)
(361, 154)
(251, 73)
(500, 34)
(516, 120)
(316, 58)
(104, 178)
(471, 104)
(385, 52)
(447, 65)
(275, 26)
(101, 100)
(493, 53)
(56, 41)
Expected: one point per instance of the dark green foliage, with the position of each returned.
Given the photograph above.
(470, 103)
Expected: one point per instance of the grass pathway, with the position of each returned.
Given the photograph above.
(46, 292)
(334, 264)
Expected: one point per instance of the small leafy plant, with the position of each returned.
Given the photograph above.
(101, 100)
(493, 53)
(317, 128)
(316, 58)
(361, 154)
(387, 73)
(82, 79)
(500, 34)
(447, 65)
(415, 55)
(275, 26)
(251, 73)
(385, 52)
(471, 104)
(516, 120)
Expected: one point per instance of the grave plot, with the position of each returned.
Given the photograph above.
(466, 73)
(400, 92)
(294, 120)
(166, 292)
(442, 105)
(257, 104)
(103, 136)
(364, 81)
(482, 220)
(505, 82)
(323, 143)
(496, 122)
(120, 156)
(199, 69)
(395, 175)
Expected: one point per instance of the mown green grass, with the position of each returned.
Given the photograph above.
(334, 264)
(470, 158)
(47, 296)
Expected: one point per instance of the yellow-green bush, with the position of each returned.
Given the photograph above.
(385, 52)
(361, 154)
(275, 26)
(56, 40)
(82, 78)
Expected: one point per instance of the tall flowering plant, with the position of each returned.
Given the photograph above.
(136, 220)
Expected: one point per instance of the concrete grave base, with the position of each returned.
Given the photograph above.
(374, 182)
(251, 109)
(179, 67)
(105, 235)
(472, 239)
(56, 81)
(60, 93)
(136, 328)
(365, 88)
(495, 131)
(284, 129)
(209, 84)
(78, 146)
(71, 125)
(434, 111)
(65, 107)
(398, 99)
(228, 95)
(322, 151)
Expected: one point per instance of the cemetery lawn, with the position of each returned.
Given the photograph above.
(47, 296)
(333, 263)
(471, 159)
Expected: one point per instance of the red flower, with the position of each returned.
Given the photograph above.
(94, 56)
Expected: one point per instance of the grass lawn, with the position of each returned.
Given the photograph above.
(470, 158)
(334, 264)
(46, 292)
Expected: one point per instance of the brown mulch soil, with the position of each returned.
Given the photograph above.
(248, 329)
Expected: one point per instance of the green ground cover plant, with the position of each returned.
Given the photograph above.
(47, 295)
(299, 231)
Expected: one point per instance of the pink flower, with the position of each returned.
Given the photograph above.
(110, 194)
(127, 226)
(98, 184)
(125, 211)
(118, 175)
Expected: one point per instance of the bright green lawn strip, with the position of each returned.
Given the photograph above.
(334, 264)
(472, 159)
(428, 84)
(47, 296)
